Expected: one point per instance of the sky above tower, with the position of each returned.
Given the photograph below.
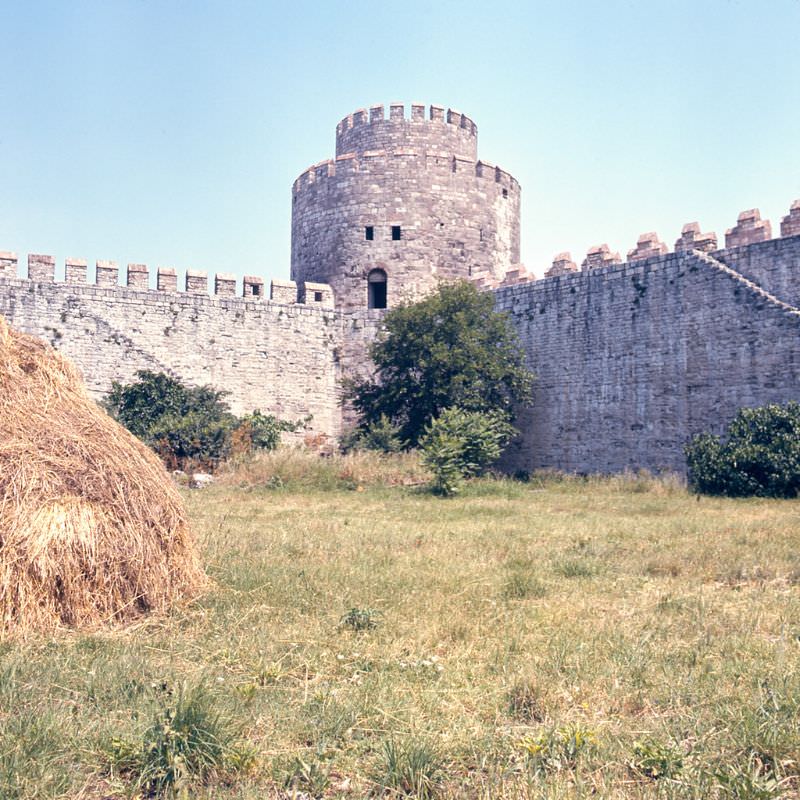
(169, 133)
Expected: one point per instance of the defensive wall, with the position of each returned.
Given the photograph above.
(283, 353)
(417, 178)
(631, 358)
(634, 358)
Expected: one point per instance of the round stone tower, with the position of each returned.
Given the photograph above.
(405, 203)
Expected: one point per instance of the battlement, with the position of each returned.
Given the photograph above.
(441, 129)
(348, 165)
(749, 229)
(41, 269)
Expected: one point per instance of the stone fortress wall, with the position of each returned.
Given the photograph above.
(632, 358)
(283, 354)
(458, 216)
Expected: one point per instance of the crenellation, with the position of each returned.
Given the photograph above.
(692, 239)
(138, 277)
(282, 291)
(41, 268)
(631, 358)
(790, 224)
(749, 229)
(224, 284)
(75, 270)
(316, 294)
(253, 286)
(166, 279)
(106, 273)
(411, 182)
(196, 281)
(647, 246)
(562, 265)
(8, 264)
(598, 257)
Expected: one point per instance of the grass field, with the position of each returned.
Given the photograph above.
(557, 638)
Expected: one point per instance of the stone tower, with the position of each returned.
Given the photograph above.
(405, 203)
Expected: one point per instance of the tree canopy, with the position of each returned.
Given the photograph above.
(451, 349)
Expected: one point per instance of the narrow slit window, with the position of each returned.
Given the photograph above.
(395, 233)
(369, 233)
(505, 192)
(376, 289)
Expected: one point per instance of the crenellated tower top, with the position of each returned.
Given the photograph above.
(439, 132)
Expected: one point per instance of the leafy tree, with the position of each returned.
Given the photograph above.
(759, 454)
(450, 349)
(461, 444)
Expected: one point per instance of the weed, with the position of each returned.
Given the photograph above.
(525, 701)
(411, 769)
(188, 741)
(575, 568)
(558, 749)
(655, 760)
(361, 619)
(310, 777)
(520, 585)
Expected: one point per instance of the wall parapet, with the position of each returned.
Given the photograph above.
(41, 269)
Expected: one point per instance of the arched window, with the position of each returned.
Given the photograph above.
(376, 282)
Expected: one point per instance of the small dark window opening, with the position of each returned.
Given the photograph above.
(376, 283)
(480, 233)
(369, 233)
(256, 289)
(317, 297)
(505, 192)
(395, 234)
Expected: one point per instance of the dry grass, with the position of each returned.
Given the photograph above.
(92, 529)
(297, 468)
(558, 639)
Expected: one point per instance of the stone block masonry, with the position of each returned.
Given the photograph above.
(406, 199)
(632, 358)
(282, 357)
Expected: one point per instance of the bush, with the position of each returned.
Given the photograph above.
(190, 425)
(759, 454)
(462, 444)
(381, 435)
(452, 348)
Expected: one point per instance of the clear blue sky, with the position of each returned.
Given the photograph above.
(170, 133)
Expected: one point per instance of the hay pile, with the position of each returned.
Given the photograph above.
(92, 529)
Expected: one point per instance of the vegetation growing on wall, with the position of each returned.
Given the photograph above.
(759, 454)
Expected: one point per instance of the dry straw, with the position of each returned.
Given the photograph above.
(92, 530)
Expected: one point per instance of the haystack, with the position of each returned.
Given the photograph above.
(92, 530)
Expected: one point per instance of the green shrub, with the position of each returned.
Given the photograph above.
(190, 425)
(759, 454)
(451, 348)
(381, 435)
(461, 444)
